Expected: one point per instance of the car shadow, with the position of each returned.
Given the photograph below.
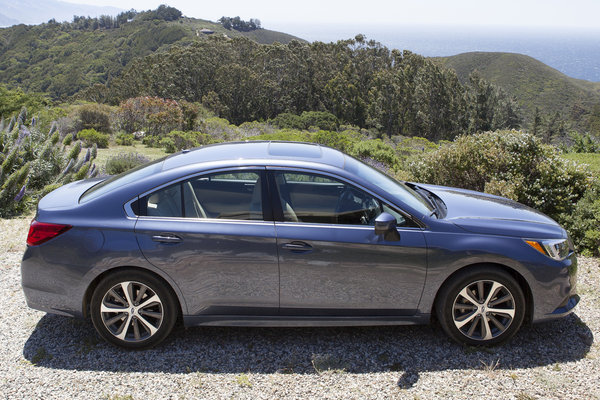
(65, 343)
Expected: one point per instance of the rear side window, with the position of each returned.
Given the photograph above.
(232, 195)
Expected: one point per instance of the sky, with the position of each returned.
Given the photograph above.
(277, 14)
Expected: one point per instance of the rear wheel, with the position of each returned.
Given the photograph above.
(133, 309)
(483, 306)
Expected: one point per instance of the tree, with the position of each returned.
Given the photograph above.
(537, 122)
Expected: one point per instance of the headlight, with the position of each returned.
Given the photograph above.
(558, 249)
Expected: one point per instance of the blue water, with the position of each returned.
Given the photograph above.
(575, 53)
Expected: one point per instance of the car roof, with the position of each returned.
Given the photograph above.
(257, 150)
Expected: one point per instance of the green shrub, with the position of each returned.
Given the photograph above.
(124, 139)
(68, 139)
(91, 137)
(507, 163)
(288, 121)
(320, 119)
(93, 116)
(124, 162)
(290, 135)
(179, 140)
(584, 222)
(378, 151)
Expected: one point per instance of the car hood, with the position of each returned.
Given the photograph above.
(488, 214)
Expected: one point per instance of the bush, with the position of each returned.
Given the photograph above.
(285, 135)
(506, 163)
(91, 137)
(93, 116)
(584, 222)
(124, 139)
(124, 162)
(153, 115)
(178, 140)
(288, 121)
(378, 151)
(320, 119)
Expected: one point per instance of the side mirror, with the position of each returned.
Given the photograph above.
(385, 224)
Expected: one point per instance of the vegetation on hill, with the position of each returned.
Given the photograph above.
(62, 58)
(239, 24)
(534, 85)
(360, 82)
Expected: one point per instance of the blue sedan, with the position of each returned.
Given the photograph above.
(291, 234)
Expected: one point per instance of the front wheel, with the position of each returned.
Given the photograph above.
(483, 306)
(133, 309)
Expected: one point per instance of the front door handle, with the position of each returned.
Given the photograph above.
(167, 238)
(297, 247)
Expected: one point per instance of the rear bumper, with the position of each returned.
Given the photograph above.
(52, 288)
(49, 302)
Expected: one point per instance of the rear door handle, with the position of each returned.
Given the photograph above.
(167, 238)
(297, 247)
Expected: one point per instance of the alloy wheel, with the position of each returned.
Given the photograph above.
(131, 311)
(483, 310)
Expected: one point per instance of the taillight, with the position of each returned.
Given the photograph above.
(41, 232)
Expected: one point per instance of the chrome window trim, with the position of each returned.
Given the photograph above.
(338, 226)
(205, 220)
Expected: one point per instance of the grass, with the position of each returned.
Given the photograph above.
(113, 150)
(591, 159)
(243, 381)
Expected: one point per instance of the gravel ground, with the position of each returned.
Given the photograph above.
(47, 356)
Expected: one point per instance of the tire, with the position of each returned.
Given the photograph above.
(133, 309)
(482, 306)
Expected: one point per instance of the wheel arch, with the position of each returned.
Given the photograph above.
(529, 305)
(87, 298)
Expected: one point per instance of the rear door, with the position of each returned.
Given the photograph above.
(331, 261)
(210, 235)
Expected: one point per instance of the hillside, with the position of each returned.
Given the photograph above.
(533, 83)
(63, 58)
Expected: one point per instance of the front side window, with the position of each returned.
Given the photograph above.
(224, 195)
(313, 198)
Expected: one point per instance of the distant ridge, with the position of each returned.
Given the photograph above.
(532, 82)
(61, 59)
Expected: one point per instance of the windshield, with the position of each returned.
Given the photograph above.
(124, 178)
(397, 189)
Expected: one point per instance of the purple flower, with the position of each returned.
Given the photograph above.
(69, 165)
(21, 193)
(87, 156)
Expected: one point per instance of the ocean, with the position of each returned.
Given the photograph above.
(575, 53)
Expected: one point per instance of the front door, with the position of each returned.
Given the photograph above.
(331, 261)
